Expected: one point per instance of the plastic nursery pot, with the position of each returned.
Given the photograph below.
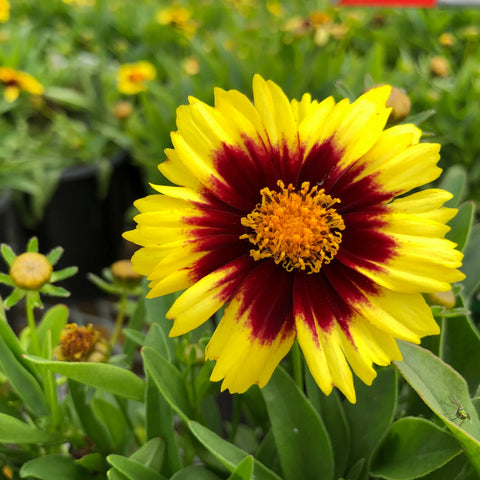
(11, 231)
(87, 226)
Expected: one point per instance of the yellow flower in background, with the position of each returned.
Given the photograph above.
(293, 215)
(178, 17)
(133, 77)
(4, 11)
(15, 81)
(80, 3)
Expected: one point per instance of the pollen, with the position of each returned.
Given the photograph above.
(30, 271)
(297, 229)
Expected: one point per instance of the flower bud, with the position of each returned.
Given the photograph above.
(30, 271)
(122, 110)
(439, 67)
(123, 274)
(445, 299)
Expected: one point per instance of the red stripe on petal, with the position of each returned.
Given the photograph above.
(249, 168)
(266, 297)
(363, 242)
(311, 301)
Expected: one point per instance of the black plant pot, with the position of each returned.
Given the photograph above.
(88, 227)
(11, 232)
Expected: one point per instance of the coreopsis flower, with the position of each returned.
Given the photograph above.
(31, 273)
(134, 77)
(4, 11)
(15, 81)
(293, 215)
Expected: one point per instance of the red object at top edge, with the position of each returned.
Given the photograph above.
(388, 3)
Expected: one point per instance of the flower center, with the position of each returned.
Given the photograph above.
(297, 229)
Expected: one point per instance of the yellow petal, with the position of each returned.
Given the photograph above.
(241, 359)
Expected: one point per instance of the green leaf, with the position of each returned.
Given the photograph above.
(461, 225)
(228, 454)
(113, 419)
(132, 469)
(68, 97)
(460, 330)
(15, 431)
(151, 454)
(135, 336)
(157, 340)
(195, 473)
(471, 264)
(159, 422)
(7, 253)
(22, 381)
(412, 448)
(53, 256)
(298, 430)
(89, 421)
(32, 245)
(437, 383)
(110, 378)
(331, 411)
(62, 274)
(14, 298)
(244, 470)
(54, 467)
(169, 381)
(371, 416)
(54, 320)
(54, 291)
(454, 180)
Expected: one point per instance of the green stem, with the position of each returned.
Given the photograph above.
(122, 305)
(297, 365)
(35, 344)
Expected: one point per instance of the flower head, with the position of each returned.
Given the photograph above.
(293, 214)
(81, 344)
(133, 77)
(4, 11)
(178, 17)
(31, 273)
(14, 81)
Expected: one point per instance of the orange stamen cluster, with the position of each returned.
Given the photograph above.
(297, 229)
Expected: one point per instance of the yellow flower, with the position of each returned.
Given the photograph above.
(178, 17)
(191, 65)
(81, 3)
(294, 215)
(4, 10)
(133, 77)
(15, 81)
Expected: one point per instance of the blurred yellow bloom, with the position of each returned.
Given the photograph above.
(191, 65)
(14, 81)
(81, 3)
(178, 17)
(446, 39)
(275, 8)
(4, 10)
(132, 77)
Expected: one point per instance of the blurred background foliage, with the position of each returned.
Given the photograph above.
(75, 48)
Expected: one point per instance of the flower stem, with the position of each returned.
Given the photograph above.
(35, 344)
(297, 365)
(122, 305)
